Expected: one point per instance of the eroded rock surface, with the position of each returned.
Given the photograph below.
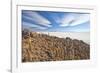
(42, 47)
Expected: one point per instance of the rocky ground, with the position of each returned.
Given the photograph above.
(41, 47)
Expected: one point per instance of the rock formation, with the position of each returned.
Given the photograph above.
(41, 47)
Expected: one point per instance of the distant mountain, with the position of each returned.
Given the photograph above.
(42, 47)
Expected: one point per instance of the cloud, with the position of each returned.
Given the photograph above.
(67, 19)
(81, 19)
(73, 19)
(30, 25)
(34, 16)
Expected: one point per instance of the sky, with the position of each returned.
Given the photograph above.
(49, 21)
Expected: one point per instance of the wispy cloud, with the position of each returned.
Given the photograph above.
(82, 18)
(56, 21)
(37, 18)
(67, 19)
(30, 25)
(74, 19)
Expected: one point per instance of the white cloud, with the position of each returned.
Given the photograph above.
(81, 19)
(67, 19)
(26, 24)
(34, 16)
(73, 19)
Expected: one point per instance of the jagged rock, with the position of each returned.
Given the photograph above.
(42, 47)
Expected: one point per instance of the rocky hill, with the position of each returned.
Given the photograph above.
(42, 47)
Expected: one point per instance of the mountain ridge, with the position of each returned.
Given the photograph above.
(41, 47)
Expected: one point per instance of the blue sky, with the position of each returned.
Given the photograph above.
(49, 21)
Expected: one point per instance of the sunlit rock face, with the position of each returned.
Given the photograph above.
(38, 47)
